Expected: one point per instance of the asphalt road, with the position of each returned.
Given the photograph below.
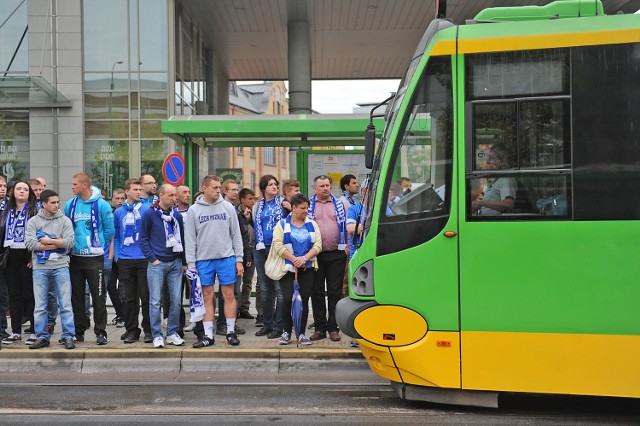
(291, 402)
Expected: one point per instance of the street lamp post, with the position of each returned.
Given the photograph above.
(111, 86)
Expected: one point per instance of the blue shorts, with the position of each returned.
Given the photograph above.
(225, 269)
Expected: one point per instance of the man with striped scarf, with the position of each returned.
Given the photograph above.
(329, 213)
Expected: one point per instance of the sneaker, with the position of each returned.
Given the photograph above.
(79, 338)
(240, 330)
(221, 331)
(13, 337)
(131, 337)
(274, 334)
(263, 331)
(39, 343)
(355, 344)
(119, 323)
(31, 340)
(259, 320)
(68, 343)
(175, 340)
(245, 315)
(232, 339)
(304, 340)
(204, 342)
(284, 338)
(148, 337)
(158, 342)
(101, 340)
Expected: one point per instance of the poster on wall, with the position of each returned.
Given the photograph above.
(335, 166)
(235, 174)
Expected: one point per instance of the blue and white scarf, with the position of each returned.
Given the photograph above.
(15, 228)
(171, 230)
(341, 218)
(258, 220)
(348, 196)
(132, 216)
(286, 226)
(3, 204)
(196, 302)
(43, 255)
(93, 242)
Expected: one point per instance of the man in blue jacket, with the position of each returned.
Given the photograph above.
(161, 241)
(93, 227)
(132, 264)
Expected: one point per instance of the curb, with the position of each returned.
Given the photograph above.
(180, 360)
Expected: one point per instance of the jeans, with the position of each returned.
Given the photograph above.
(268, 286)
(59, 278)
(52, 305)
(156, 275)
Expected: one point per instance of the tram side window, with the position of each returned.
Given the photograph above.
(606, 129)
(518, 140)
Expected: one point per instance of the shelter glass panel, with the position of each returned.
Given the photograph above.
(14, 38)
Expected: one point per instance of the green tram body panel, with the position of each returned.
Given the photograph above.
(559, 276)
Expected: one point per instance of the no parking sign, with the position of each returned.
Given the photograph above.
(173, 169)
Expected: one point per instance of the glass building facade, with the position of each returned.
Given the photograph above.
(126, 89)
(14, 123)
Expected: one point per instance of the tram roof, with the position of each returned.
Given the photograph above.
(271, 130)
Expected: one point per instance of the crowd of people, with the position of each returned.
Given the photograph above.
(138, 247)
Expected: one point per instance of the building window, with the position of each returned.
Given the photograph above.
(252, 181)
(14, 144)
(14, 38)
(239, 150)
(269, 154)
(107, 162)
(283, 157)
(252, 152)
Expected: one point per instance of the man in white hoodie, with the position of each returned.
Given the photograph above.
(213, 247)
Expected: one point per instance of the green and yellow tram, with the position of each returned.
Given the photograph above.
(513, 263)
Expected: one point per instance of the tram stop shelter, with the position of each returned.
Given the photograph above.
(301, 132)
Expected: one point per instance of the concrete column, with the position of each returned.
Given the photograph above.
(299, 52)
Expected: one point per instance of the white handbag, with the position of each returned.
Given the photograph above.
(274, 266)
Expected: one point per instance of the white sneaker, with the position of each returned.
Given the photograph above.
(175, 340)
(285, 338)
(158, 342)
(30, 340)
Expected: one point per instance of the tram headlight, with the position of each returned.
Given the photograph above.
(362, 281)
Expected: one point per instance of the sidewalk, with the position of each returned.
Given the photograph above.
(253, 354)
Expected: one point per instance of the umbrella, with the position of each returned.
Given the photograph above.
(296, 306)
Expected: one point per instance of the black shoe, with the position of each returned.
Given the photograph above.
(79, 337)
(221, 331)
(274, 334)
(124, 335)
(263, 331)
(232, 339)
(259, 320)
(68, 343)
(39, 343)
(245, 315)
(148, 338)
(131, 337)
(204, 342)
(101, 340)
